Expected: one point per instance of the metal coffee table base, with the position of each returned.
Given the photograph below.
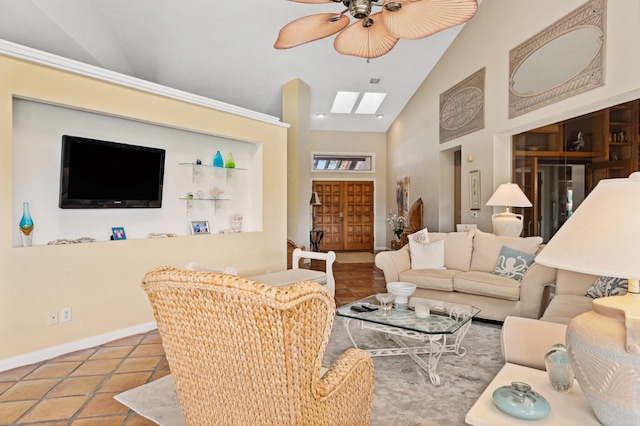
(437, 345)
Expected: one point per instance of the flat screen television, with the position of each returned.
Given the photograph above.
(98, 174)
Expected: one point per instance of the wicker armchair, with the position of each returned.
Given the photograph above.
(243, 352)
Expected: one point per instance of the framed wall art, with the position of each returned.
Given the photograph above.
(462, 107)
(474, 190)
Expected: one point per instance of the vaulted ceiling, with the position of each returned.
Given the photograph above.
(223, 50)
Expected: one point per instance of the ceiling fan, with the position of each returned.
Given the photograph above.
(374, 35)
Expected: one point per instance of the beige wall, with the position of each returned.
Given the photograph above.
(485, 41)
(101, 281)
(296, 97)
(358, 142)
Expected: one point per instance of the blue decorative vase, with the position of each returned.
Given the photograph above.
(26, 226)
(218, 161)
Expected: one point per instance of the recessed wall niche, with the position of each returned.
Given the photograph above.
(37, 143)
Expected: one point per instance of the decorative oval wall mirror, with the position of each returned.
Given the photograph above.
(563, 60)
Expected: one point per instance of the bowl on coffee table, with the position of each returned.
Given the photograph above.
(401, 290)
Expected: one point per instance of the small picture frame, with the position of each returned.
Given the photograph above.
(474, 190)
(118, 233)
(199, 227)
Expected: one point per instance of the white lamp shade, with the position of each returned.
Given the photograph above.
(602, 236)
(510, 195)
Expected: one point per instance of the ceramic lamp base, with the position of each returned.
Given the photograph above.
(598, 343)
(507, 223)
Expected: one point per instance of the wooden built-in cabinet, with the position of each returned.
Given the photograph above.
(559, 164)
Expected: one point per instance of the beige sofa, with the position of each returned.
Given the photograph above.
(569, 298)
(470, 258)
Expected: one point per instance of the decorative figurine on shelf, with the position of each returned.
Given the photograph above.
(578, 144)
(231, 163)
(26, 226)
(217, 160)
(216, 192)
(236, 222)
(198, 161)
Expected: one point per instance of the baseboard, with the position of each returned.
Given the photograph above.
(78, 345)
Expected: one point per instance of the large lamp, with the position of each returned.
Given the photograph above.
(507, 223)
(602, 237)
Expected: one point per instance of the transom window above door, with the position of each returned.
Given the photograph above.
(342, 162)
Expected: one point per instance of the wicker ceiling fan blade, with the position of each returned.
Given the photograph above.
(310, 28)
(365, 42)
(421, 18)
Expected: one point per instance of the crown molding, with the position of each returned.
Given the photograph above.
(28, 54)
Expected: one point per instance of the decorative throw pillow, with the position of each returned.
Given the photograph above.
(513, 263)
(424, 254)
(608, 286)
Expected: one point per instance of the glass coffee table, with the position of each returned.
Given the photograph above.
(442, 331)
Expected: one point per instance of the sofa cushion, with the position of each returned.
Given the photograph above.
(458, 247)
(434, 279)
(487, 247)
(513, 263)
(563, 308)
(608, 286)
(487, 284)
(426, 255)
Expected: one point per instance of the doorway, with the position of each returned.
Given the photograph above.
(345, 214)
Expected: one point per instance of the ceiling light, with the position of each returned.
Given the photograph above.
(321, 115)
(379, 116)
(373, 35)
(370, 103)
(344, 102)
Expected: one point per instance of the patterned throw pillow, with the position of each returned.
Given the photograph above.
(513, 263)
(608, 286)
(425, 254)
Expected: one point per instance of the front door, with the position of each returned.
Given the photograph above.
(345, 214)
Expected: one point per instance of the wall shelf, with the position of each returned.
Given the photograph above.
(195, 169)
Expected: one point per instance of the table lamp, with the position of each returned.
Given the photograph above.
(602, 238)
(315, 201)
(507, 223)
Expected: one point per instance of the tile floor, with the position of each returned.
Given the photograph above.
(78, 388)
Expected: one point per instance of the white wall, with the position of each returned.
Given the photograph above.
(37, 142)
(485, 41)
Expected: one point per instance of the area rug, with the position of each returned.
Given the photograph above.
(403, 394)
(354, 257)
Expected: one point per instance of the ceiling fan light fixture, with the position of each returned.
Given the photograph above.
(377, 34)
(393, 6)
(360, 9)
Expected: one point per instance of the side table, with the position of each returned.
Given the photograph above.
(567, 409)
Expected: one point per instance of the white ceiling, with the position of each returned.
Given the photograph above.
(222, 50)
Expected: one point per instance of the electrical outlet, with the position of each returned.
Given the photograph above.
(65, 314)
(53, 317)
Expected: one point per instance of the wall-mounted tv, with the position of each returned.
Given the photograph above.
(98, 174)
